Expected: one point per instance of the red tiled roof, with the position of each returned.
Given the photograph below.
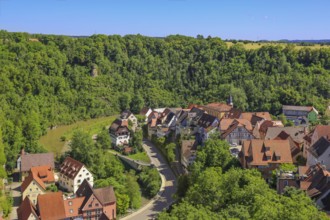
(322, 130)
(29, 179)
(70, 167)
(257, 151)
(34, 160)
(26, 209)
(218, 106)
(51, 206)
(45, 173)
(72, 206)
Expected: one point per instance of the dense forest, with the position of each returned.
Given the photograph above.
(49, 80)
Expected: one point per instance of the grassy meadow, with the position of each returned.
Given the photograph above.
(54, 141)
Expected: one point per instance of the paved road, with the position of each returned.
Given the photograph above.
(164, 198)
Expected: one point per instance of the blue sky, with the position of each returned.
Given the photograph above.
(231, 19)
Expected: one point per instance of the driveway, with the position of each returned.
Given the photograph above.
(15, 189)
(165, 197)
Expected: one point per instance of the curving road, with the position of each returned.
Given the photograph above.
(164, 198)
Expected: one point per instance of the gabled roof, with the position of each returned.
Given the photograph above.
(322, 130)
(51, 206)
(144, 111)
(294, 147)
(316, 182)
(319, 147)
(29, 179)
(118, 125)
(187, 147)
(238, 123)
(218, 106)
(105, 195)
(34, 160)
(26, 209)
(45, 173)
(72, 206)
(258, 150)
(226, 123)
(298, 108)
(126, 114)
(70, 167)
(206, 120)
(233, 113)
(254, 117)
(297, 133)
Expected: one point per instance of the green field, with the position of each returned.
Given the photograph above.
(52, 140)
(142, 156)
(253, 46)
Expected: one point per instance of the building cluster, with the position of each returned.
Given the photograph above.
(256, 139)
(81, 200)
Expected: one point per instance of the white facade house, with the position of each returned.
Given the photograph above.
(119, 132)
(72, 174)
(319, 152)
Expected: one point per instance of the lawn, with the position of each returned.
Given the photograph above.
(52, 140)
(142, 156)
(253, 46)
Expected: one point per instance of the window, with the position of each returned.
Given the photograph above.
(89, 213)
(80, 175)
(70, 202)
(286, 183)
(90, 205)
(88, 178)
(33, 183)
(30, 190)
(87, 174)
(84, 170)
(79, 181)
(96, 204)
(71, 210)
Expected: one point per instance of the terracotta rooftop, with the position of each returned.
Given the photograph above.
(70, 167)
(144, 110)
(51, 206)
(322, 130)
(26, 209)
(45, 173)
(72, 206)
(118, 125)
(258, 150)
(34, 160)
(218, 106)
(226, 123)
(256, 116)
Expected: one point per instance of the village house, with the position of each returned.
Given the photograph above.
(313, 136)
(265, 155)
(73, 173)
(27, 210)
(319, 152)
(26, 161)
(296, 133)
(146, 112)
(31, 187)
(235, 131)
(183, 123)
(130, 117)
(188, 153)
(261, 127)
(217, 109)
(119, 133)
(315, 180)
(45, 173)
(300, 115)
(87, 203)
(98, 203)
(285, 179)
(207, 125)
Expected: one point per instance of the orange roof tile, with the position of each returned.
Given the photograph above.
(258, 149)
(51, 206)
(72, 206)
(45, 173)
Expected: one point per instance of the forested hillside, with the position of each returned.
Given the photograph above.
(49, 80)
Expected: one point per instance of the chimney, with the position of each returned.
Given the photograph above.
(23, 151)
(230, 101)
